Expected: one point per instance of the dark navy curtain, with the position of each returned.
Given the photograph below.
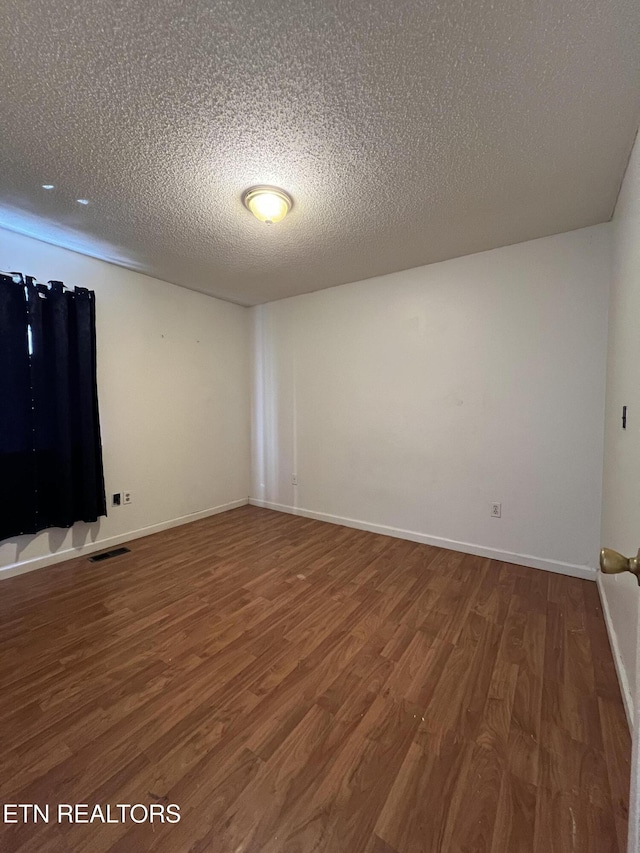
(50, 450)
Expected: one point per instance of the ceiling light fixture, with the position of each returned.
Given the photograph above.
(268, 204)
(48, 187)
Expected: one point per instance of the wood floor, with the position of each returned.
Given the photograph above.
(295, 686)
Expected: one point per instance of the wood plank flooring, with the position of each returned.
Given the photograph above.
(295, 686)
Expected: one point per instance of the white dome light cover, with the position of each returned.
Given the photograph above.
(268, 204)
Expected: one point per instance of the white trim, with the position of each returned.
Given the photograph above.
(24, 566)
(585, 572)
(621, 672)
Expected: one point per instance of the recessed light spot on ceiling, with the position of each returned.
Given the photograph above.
(82, 200)
(48, 186)
(268, 204)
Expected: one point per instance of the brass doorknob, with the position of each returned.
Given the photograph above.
(612, 563)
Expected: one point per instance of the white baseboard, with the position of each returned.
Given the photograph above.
(31, 565)
(585, 572)
(621, 672)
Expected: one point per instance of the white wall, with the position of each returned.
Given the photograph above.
(621, 497)
(173, 384)
(410, 402)
(404, 404)
(621, 494)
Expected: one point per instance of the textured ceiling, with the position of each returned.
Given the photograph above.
(407, 132)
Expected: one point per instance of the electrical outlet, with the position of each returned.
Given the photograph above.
(294, 479)
(126, 497)
(116, 499)
(496, 510)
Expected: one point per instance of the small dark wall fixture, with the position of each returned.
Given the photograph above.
(50, 447)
